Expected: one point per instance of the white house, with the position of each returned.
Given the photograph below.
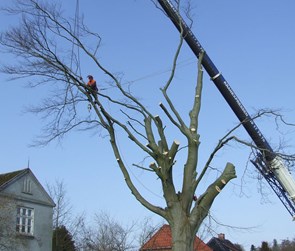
(26, 212)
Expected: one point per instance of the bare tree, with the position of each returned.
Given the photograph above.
(7, 230)
(107, 234)
(63, 208)
(9, 238)
(147, 230)
(61, 211)
(63, 218)
(40, 44)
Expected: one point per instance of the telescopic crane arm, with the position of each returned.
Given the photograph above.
(267, 162)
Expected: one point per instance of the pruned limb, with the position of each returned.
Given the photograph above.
(158, 210)
(204, 202)
(174, 149)
(194, 113)
(150, 135)
(169, 115)
(160, 128)
(143, 168)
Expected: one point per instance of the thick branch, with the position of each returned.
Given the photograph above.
(190, 173)
(128, 180)
(204, 202)
(194, 113)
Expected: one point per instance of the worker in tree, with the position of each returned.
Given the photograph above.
(92, 83)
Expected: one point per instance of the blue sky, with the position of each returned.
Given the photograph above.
(252, 43)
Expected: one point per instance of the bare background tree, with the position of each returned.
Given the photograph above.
(65, 221)
(101, 232)
(106, 233)
(40, 44)
(147, 230)
(62, 215)
(9, 238)
(62, 210)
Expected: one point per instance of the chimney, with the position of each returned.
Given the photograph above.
(221, 236)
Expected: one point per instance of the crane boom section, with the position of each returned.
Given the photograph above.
(268, 163)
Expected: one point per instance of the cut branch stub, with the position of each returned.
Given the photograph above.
(174, 149)
(150, 135)
(160, 127)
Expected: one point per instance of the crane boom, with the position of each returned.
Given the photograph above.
(267, 161)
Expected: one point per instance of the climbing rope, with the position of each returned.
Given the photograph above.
(76, 44)
(75, 38)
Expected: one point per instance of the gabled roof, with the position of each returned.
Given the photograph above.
(222, 244)
(7, 178)
(162, 240)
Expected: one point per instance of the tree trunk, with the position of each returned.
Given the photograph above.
(183, 237)
(183, 233)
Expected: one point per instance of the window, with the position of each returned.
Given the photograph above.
(25, 220)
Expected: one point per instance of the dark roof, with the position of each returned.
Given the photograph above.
(218, 244)
(6, 178)
(162, 240)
